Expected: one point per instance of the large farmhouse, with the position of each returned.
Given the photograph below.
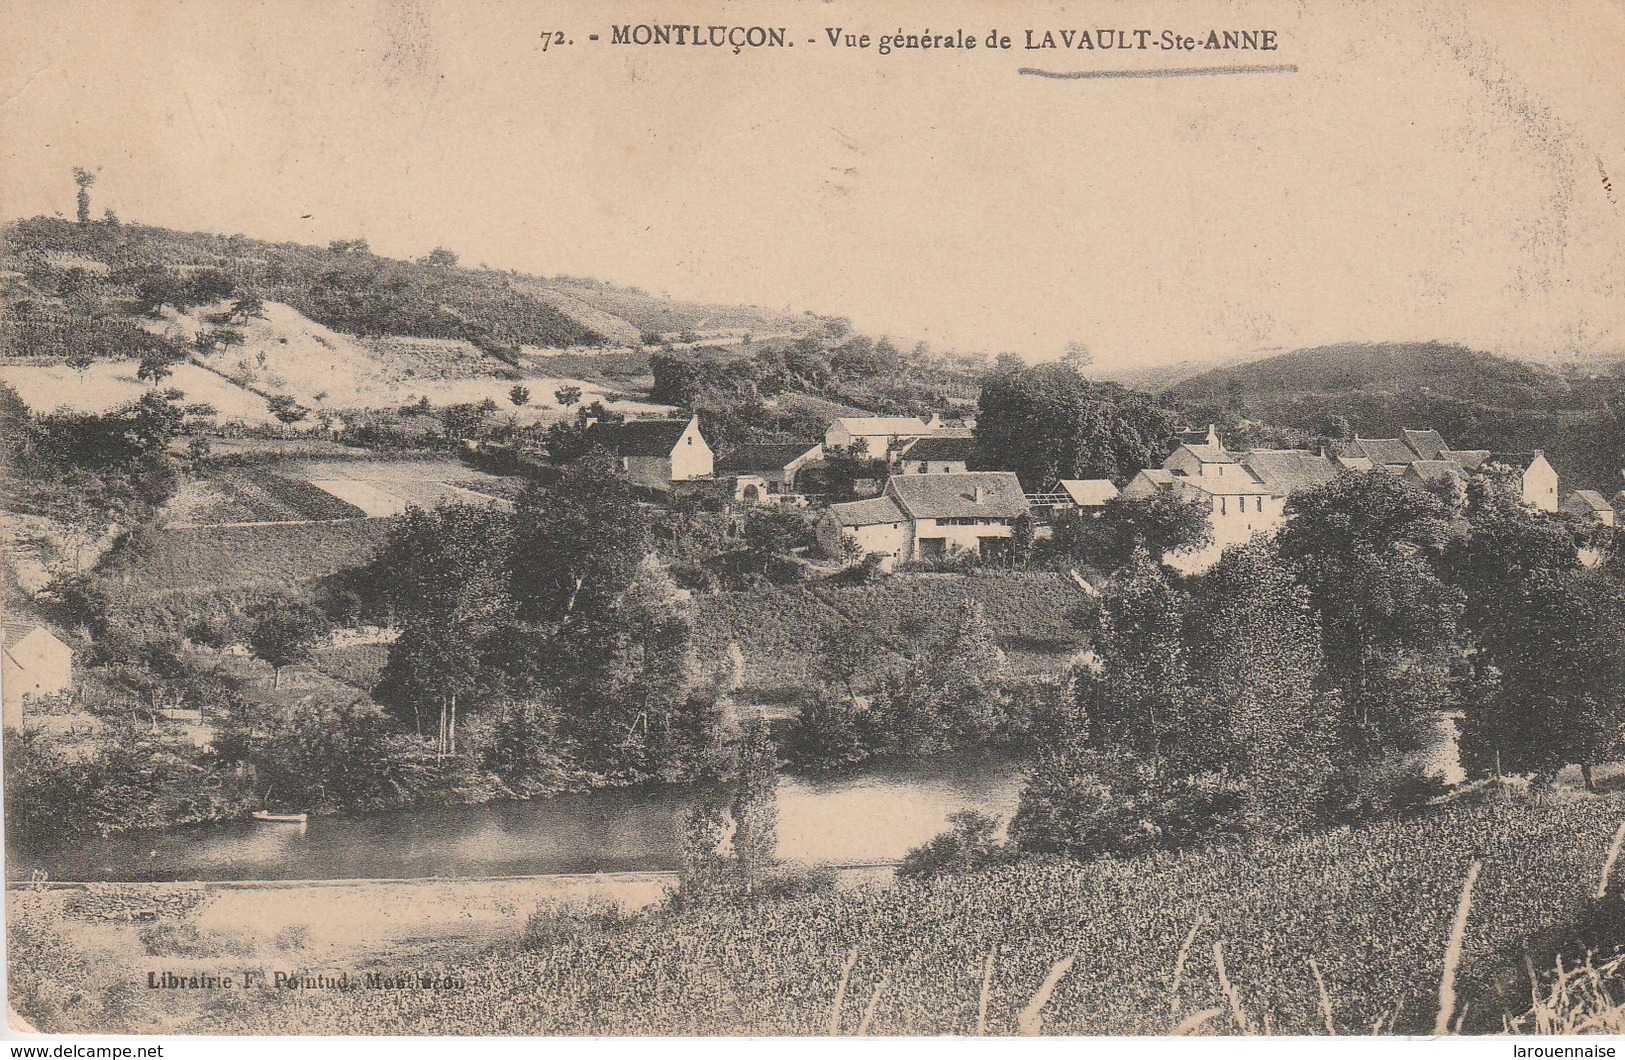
(925, 517)
(656, 453)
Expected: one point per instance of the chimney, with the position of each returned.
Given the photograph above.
(1212, 435)
(979, 495)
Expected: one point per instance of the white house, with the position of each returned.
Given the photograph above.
(656, 453)
(34, 664)
(1243, 496)
(928, 516)
(878, 436)
(1537, 479)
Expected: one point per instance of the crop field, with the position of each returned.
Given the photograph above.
(244, 556)
(779, 629)
(250, 494)
(1368, 910)
(382, 488)
(105, 385)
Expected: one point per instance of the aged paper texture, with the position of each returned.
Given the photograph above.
(822, 519)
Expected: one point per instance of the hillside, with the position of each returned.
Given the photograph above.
(1476, 400)
(347, 288)
(1379, 368)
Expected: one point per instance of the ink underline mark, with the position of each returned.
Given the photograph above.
(1188, 71)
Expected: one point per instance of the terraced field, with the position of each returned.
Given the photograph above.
(779, 629)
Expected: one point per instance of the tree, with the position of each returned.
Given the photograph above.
(567, 396)
(519, 396)
(440, 258)
(1557, 691)
(755, 807)
(445, 580)
(1047, 422)
(158, 363)
(1368, 549)
(84, 179)
(286, 409)
(1546, 674)
(79, 361)
(249, 304)
(968, 846)
(283, 632)
(1160, 524)
(1077, 356)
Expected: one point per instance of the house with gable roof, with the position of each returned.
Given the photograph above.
(1590, 506)
(925, 517)
(1537, 479)
(33, 663)
(656, 453)
(938, 454)
(879, 436)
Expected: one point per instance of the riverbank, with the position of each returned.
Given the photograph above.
(867, 816)
(84, 951)
(1369, 905)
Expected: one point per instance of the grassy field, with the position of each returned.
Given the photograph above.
(1371, 907)
(220, 557)
(777, 629)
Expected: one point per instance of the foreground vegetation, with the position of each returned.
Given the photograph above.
(1344, 931)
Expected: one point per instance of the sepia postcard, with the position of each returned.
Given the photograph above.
(832, 518)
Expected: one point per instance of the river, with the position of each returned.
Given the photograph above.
(868, 817)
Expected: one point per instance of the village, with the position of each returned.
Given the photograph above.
(672, 607)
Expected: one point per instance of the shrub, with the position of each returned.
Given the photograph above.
(555, 922)
(967, 846)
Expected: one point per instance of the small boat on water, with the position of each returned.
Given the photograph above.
(280, 818)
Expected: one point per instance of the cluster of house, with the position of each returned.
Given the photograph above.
(1245, 493)
(930, 504)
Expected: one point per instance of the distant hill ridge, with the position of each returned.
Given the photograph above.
(1378, 368)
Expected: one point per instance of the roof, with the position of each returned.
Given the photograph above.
(1232, 486)
(1089, 492)
(1156, 475)
(942, 447)
(1208, 454)
(1383, 450)
(639, 437)
(1285, 471)
(877, 425)
(1436, 470)
(774, 456)
(1470, 459)
(1427, 444)
(1592, 499)
(870, 512)
(956, 495)
(17, 634)
(1355, 463)
(1518, 460)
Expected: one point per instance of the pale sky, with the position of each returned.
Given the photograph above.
(1426, 174)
